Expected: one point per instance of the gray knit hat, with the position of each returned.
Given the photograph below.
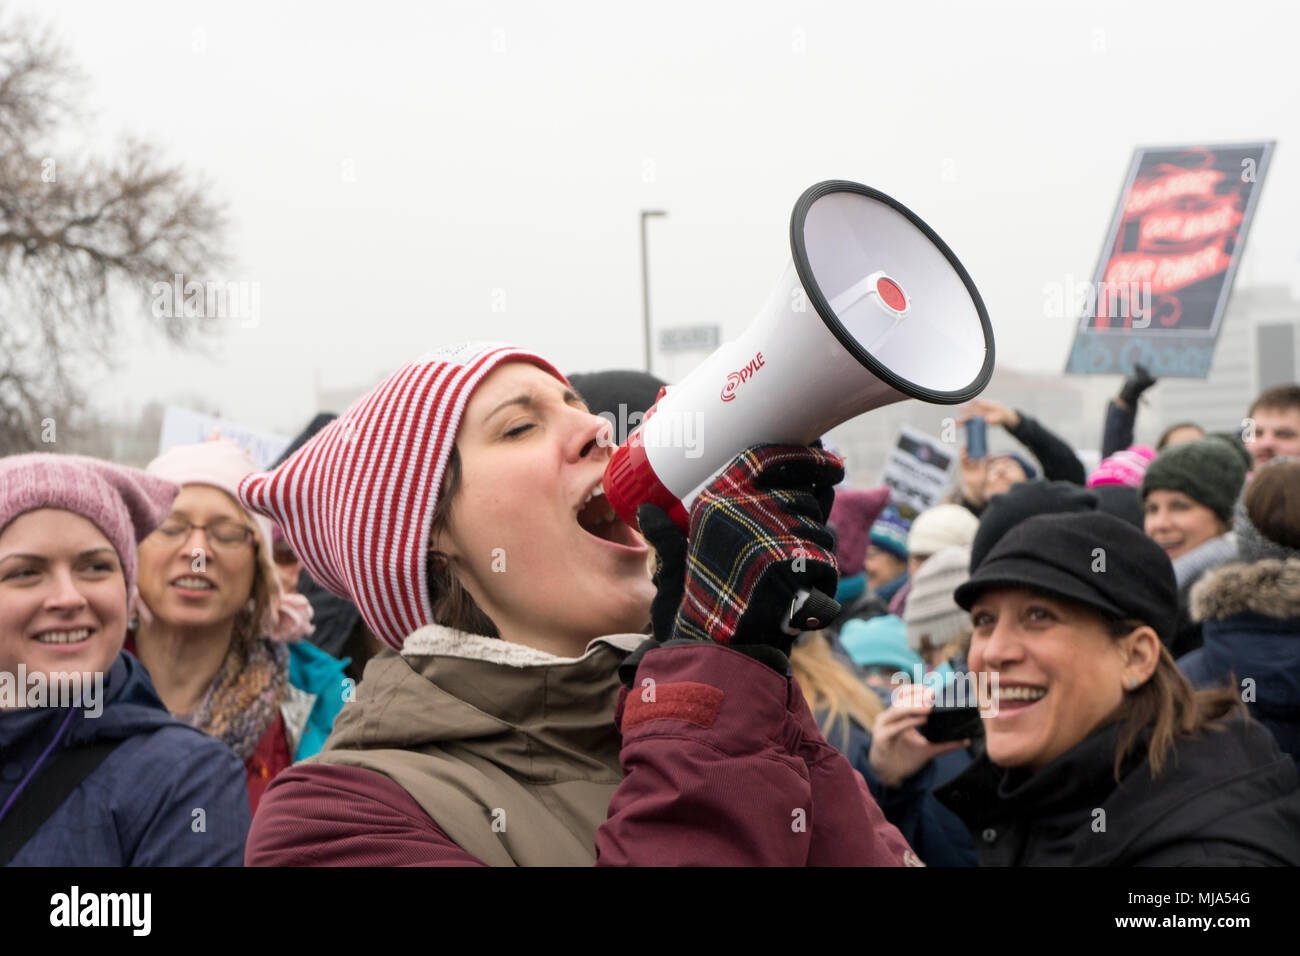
(931, 611)
(1208, 471)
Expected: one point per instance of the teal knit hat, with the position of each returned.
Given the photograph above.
(879, 642)
(1209, 471)
(889, 533)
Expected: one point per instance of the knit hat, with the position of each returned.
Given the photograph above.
(1030, 471)
(125, 504)
(319, 421)
(222, 464)
(889, 533)
(943, 526)
(879, 642)
(1234, 442)
(1096, 560)
(852, 515)
(1021, 501)
(1208, 471)
(1122, 502)
(356, 501)
(1125, 467)
(931, 611)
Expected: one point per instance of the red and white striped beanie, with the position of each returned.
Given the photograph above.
(356, 501)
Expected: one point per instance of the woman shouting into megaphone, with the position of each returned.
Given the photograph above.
(522, 715)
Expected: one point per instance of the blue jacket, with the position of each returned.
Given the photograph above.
(936, 833)
(317, 673)
(1250, 625)
(169, 795)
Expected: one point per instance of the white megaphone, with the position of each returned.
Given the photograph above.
(873, 309)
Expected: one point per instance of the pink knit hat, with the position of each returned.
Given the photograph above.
(219, 463)
(222, 464)
(852, 515)
(125, 504)
(356, 502)
(1126, 467)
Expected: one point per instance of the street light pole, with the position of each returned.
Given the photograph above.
(645, 285)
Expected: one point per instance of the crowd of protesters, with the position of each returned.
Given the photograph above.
(424, 637)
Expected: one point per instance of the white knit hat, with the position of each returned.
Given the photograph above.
(943, 526)
(356, 501)
(931, 611)
(220, 463)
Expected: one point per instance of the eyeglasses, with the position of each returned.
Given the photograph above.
(225, 534)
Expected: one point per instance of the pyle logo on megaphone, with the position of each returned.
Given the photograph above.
(736, 379)
(894, 316)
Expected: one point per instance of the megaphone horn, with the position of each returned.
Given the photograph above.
(874, 308)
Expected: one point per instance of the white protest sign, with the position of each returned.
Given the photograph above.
(917, 469)
(181, 426)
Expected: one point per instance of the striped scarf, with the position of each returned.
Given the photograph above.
(245, 695)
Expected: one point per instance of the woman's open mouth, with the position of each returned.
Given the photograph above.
(65, 638)
(597, 517)
(1012, 699)
(193, 585)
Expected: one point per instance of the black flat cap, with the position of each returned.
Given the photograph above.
(1091, 558)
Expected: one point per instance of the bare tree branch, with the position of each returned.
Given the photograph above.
(73, 234)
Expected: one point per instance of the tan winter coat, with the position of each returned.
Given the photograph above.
(511, 751)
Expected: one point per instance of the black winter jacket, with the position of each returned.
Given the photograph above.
(1230, 798)
(1059, 461)
(1117, 434)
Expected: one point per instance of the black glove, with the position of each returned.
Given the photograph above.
(1135, 385)
(670, 567)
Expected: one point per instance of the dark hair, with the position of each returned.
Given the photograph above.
(1279, 397)
(1168, 705)
(1164, 435)
(1273, 502)
(453, 606)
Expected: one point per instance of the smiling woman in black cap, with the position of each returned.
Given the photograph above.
(1099, 753)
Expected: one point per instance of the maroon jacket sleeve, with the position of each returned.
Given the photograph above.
(724, 766)
(723, 763)
(321, 815)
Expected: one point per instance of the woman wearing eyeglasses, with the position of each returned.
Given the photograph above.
(217, 632)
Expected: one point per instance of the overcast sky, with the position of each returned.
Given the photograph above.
(397, 174)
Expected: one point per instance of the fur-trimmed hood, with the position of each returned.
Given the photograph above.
(1250, 617)
(1269, 588)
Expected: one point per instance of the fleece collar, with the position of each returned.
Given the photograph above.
(509, 703)
(435, 640)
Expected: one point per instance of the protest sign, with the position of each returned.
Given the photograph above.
(1159, 292)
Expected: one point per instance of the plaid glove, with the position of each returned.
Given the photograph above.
(757, 536)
